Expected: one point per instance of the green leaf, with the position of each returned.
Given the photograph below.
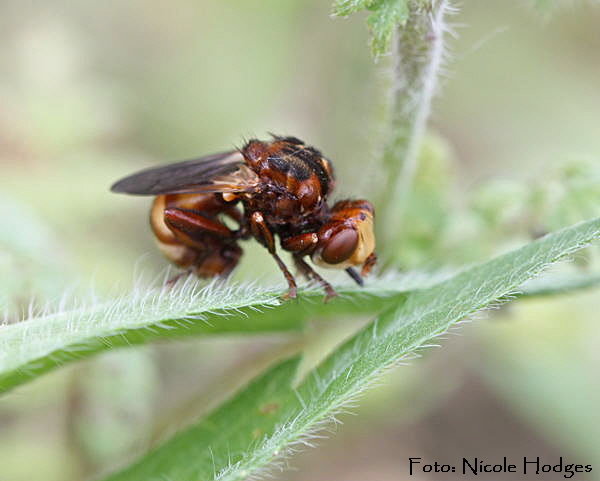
(385, 17)
(262, 421)
(225, 435)
(35, 346)
(382, 22)
(343, 8)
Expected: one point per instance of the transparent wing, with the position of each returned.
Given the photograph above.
(223, 172)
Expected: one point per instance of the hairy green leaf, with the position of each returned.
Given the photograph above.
(265, 419)
(35, 346)
(382, 22)
(347, 7)
(385, 16)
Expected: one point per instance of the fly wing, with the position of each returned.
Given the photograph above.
(223, 172)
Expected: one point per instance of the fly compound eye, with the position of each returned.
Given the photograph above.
(340, 246)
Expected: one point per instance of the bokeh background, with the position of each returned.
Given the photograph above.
(92, 91)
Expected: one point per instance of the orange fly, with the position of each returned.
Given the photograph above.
(278, 188)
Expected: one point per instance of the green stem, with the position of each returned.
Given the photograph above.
(419, 55)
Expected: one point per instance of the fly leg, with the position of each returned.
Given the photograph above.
(261, 231)
(173, 280)
(369, 264)
(213, 242)
(309, 272)
(355, 276)
(301, 245)
(191, 224)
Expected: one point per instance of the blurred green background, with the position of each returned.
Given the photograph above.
(90, 92)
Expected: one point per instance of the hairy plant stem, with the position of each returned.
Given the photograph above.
(419, 53)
